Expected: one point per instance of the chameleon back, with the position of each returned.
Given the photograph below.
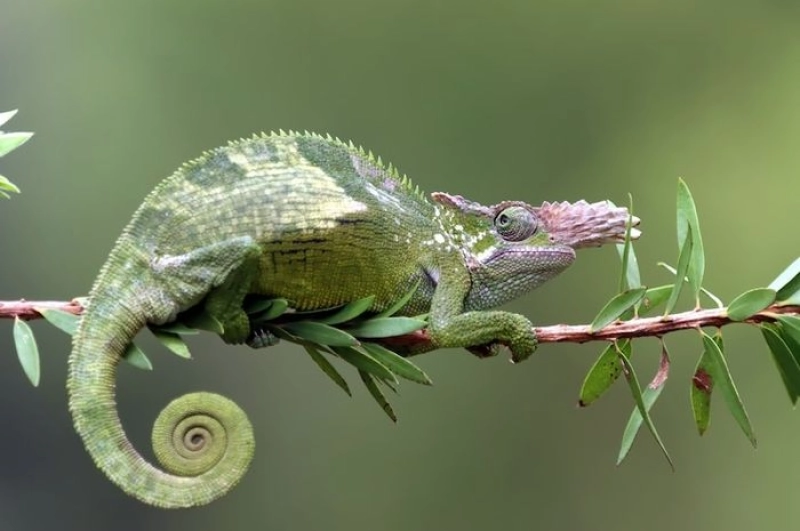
(330, 219)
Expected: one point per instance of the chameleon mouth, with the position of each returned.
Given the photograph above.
(543, 257)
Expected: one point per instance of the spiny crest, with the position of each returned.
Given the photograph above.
(403, 180)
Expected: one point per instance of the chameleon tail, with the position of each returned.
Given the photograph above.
(204, 441)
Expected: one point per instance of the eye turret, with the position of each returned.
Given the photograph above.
(515, 223)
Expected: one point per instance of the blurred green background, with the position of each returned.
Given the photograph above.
(492, 100)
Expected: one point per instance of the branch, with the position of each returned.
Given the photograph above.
(655, 326)
(639, 327)
(28, 309)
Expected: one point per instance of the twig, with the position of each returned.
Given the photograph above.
(641, 327)
(654, 326)
(28, 309)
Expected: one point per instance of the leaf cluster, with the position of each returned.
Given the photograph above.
(711, 372)
(348, 332)
(8, 143)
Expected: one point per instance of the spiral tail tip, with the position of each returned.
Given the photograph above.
(207, 438)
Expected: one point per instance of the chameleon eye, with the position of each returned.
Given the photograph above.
(515, 223)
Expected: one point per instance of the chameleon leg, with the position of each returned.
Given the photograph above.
(478, 331)
(219, 274)
(224, 302)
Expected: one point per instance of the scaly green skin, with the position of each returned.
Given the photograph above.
(317, 222)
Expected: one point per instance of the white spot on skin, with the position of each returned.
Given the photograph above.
(392, 201)
(166, 262)
(240, 159)
(483, 256)
(438, 238)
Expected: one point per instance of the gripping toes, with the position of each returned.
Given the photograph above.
(483, 332)
(521, 338)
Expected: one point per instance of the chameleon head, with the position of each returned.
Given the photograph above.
(512, 247)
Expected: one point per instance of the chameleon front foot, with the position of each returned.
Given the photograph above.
(483, 334)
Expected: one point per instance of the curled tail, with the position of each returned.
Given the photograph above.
(204, 441)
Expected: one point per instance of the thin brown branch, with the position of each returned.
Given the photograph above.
(28, 309)
(640, 327)
(654, 326)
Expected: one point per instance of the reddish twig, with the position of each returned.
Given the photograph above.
(28, 309)
(640, 327)
(654, 326)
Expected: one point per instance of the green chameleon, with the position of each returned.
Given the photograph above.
(320, 223)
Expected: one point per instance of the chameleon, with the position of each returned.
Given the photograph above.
(318, 222)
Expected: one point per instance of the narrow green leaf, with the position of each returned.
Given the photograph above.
(321, 334)
(135, 356)
(601, 376)
(689, 222)
(401, 302)
(64, 321)
(654, 297)
(377, 394)
(786, 362)
(680, 273)
(7, 185)
(749, 303)
(649, 397)
(618, 305)
(328, 368)
(254, 305)
(791, 326)
(793, 299)
(642, 407)
(275, 310)
(397, 364)
(173, 342)
(363, 361)
(6, 116)
(349, 311)
(791, 337)
(787, 283)
(700, 391)
(721, 376)
(4, 195)
(202, 321)
(633, 278)
(11, 141)
(629, 277)
(175, 328)
(386, 327)
(27, 351)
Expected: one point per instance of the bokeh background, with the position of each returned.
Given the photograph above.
(492, 100)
